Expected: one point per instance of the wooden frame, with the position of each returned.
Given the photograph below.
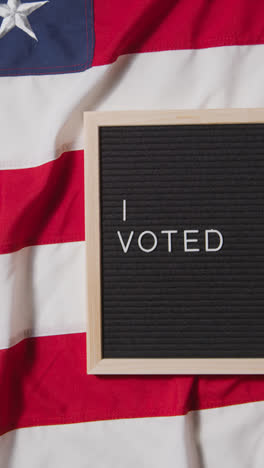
(96, 364)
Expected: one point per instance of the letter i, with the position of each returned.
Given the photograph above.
(124, 210)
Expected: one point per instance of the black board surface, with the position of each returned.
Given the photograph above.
(183, 303)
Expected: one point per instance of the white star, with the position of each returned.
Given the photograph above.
(15, 13)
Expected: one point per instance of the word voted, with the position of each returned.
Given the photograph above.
(189, 240)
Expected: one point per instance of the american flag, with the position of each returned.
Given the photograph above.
(59, 58)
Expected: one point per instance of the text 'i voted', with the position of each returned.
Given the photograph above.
(189, 240)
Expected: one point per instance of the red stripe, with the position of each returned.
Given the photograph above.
(123, 27)
(42, 205)
(45, 383)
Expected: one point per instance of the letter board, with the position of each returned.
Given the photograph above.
(174, 208)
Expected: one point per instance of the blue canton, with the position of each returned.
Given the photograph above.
(45, 37)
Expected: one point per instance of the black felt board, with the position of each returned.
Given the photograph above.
(183, 304)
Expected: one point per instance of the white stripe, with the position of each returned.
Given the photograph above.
(41, 116)
(132, 443)
(230, 437)
(42, 292)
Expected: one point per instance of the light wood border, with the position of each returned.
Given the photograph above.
(96, 364)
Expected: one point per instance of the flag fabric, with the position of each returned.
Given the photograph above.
(59, 58)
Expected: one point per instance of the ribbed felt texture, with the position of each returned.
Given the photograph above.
(183, 304)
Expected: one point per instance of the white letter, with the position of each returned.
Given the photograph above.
(125, 247)
(221, 240)
(186, 240)
(124, 210)
(154, 238)
(169, 237)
